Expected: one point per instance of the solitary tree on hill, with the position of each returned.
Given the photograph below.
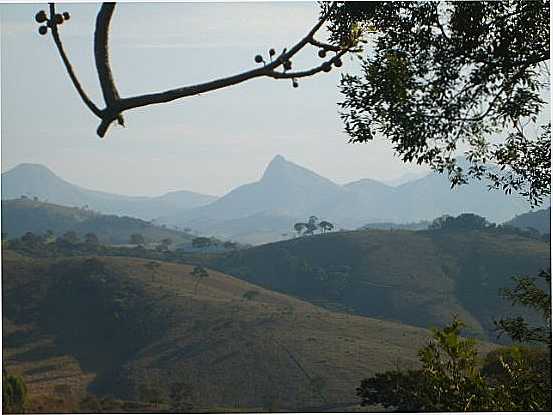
(199, 273)
(325, 226)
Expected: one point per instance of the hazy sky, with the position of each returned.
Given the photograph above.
(209, 143)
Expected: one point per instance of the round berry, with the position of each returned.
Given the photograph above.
(42, 30)
(41, 17)
(258, 58)
(326, 67)
(66, 15)
(338, 62)
(295, 84)
(59, 19)
(272, 52)
(322, 53)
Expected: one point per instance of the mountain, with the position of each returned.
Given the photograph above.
(121, 327)
(288, 193)
(405, 178)
(539, 220)
(35, 180)
(20, 216)
(419, 278)
(285, 189)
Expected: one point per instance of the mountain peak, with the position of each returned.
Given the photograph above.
(33, 168)
(276, 167)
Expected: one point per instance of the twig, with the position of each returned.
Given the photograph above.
(55, 35)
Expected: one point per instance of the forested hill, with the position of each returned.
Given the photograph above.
(420, 278)
(540, 220)
(20, 216)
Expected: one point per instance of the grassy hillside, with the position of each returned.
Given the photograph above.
(135, 329)
(25, 215)
(419, 278)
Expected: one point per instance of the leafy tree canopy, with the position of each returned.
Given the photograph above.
(442, 77)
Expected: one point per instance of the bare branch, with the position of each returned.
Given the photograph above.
(55, 35)
(101, 55)
(115, 105)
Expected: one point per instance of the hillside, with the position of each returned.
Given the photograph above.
(539, 220)
(35, 180)
(418, 278)
(25, 215)
(131, 329)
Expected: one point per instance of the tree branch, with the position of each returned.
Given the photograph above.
(55, 35)
(101, 55)
(115, 105)
(309, 72)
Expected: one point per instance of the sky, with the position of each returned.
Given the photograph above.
(209, 143)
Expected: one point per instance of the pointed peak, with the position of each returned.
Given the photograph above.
(278, 159)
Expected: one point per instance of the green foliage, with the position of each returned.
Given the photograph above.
(91, 239)
(450, 380)
(69, 237)
(529, 294)
(442, 76)
(14, 393)
(465, 221)
(309, 227)
(199, 273)
(250, 295)
(136, 239)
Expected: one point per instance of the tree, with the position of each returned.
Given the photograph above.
(30, 240)
(514, 379)
(91, 239)
(465, 221)
(299, 227)
(164, 244)
(70, 237)
(443, 76)
(199, 273)
(136, 239)
(49, 235)
(202, 242)
(450, 380)
(250, 295)
(230, 245)
(528, 293)
(325, 226)
(277, 65)
(311, 226)
(14, 393)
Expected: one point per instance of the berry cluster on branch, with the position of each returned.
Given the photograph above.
(276, 67)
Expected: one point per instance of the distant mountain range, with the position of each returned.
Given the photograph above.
(287, 193)
(35, 180)
(265, 211)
